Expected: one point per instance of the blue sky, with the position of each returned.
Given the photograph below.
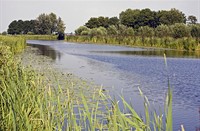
(76, 12)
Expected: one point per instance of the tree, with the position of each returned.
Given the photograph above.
(113, 21)
(43, 25)
(103, 21)
(15, 27)
(195, 30)
(192, 19)
(171, 17)
(48, 24)
(53, 22)
(162, 31)
(146, 31)
(92, 23)
(81, 29)
(101, 31)
(60, 26)
(21, 27)
(122, 29)
(137, 18)
(97, 22)
(28, 26)
(129, 31)
(112, 30)
(12, 27)
(129, 18)
(180, 30)
(147, 18)
(4, 33)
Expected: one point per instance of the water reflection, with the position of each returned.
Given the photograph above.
(154, 52)
(47, 51)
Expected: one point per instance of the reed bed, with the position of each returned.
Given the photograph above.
(31, 100)
(40, 37)
(187, 43)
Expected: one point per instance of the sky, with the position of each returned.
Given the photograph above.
(76, 13)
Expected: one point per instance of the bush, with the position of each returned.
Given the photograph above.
(180, 30)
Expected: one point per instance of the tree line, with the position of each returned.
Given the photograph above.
(145, 23)
(136, 18)
(43, 24)
(178, 30)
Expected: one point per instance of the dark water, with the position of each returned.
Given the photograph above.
(122, 70)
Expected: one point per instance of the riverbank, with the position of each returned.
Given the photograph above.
(168, 43)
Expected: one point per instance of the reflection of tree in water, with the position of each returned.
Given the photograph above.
(47, 51)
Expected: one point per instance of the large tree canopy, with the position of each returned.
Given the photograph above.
(48, 24)
(21, 27)
(171, 17)
(145, 17)
(44, 24)
(192, 19)
(101, 22)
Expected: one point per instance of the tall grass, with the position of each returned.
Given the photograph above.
(31, 101)
(16, 43)
(40, 37)
(187, 43)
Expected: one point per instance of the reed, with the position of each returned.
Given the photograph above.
(186, 43)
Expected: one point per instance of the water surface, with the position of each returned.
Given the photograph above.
(123, 69)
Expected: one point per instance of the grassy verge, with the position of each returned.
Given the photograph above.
(47, 100)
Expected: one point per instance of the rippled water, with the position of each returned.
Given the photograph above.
(125, 69)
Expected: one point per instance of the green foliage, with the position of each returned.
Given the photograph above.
(146, 31)
(101, 31)
(97, 22)
(44, 24)
(145, 17)
(60, 26)
(113, 21)
(162, 31)
(192, 19)
(40, 37)
(4, 33)
(16, 44)
(122, 30)
(21, 27)
(48, 24)
(53, 22)
(129, 31)
(82, 30)
(171, 17)
(130, 18)
(112, 30)
(195, 30)
(180, 30)
(165, 29)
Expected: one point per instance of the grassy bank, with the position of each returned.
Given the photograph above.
(40, 37)
(187, 43)
(16, 44)
(33, 99)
